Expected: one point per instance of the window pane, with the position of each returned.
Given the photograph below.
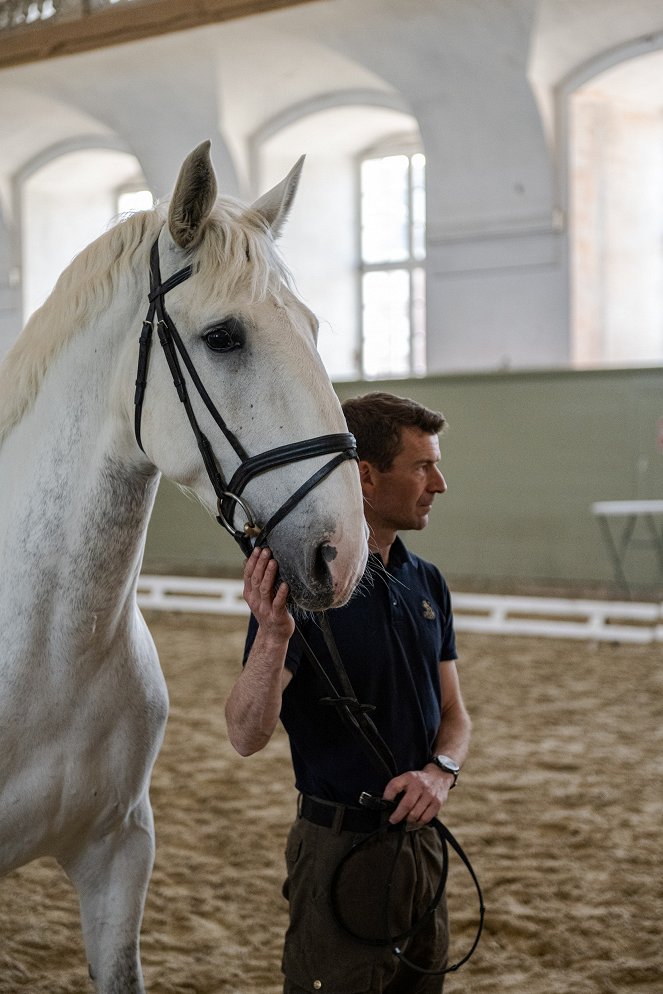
(386, 323)
(385, 209)
(135, 200)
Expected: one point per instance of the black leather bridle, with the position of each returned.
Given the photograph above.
(229, 497)
(228, 494)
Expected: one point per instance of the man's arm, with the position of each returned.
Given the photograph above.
(453, 738)
(254, 703)
(425, 791)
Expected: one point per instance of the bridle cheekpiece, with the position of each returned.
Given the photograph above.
(228, 494)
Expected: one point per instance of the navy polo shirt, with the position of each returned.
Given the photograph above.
(391, 637)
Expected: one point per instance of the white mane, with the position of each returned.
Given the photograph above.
(236, 252)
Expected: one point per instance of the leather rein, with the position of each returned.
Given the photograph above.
(228, 493)
(357, 717)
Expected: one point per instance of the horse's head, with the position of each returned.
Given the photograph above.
(245, 347)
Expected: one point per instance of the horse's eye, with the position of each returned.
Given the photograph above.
(224, 338)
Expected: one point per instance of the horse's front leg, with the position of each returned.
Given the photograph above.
(111, 875)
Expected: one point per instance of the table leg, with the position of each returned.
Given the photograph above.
(657, 540)
(614, 551)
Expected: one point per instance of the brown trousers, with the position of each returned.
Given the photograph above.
(381, 890)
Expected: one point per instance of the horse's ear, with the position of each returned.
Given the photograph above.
(275, 205)
(193, 197)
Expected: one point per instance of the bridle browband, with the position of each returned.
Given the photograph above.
(228, 494)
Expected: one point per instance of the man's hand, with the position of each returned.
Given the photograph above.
(424, 793)
(267, 605)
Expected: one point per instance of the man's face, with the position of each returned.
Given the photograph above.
(401, 498)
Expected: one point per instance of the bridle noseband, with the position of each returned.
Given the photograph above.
(228, 494)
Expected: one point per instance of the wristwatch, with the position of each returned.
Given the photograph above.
(447, 764)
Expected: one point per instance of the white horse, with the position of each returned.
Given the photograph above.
(83, 702)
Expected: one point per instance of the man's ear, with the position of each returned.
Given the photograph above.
(367, 473)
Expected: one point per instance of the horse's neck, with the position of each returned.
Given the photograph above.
(76, 508)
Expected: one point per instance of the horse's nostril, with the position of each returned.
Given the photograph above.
(328, 552)
(324, 555)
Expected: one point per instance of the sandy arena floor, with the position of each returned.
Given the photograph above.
(560, 810)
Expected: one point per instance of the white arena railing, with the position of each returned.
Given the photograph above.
(549, 617)
(187, 593)
(546, 617)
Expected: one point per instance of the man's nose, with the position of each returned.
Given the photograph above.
(437, 484)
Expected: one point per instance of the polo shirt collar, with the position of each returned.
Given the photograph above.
(399, 555)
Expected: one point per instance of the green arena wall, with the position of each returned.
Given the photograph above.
(524, 457)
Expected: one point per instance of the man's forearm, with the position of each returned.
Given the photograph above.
(254, 704)
(453, 738)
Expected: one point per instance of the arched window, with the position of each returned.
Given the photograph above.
(616, 214)
(355, 239)
(392, 252)
(67, 203)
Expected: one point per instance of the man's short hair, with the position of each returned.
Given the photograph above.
(376, 420)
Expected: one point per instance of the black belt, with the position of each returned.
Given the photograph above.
(343, 818)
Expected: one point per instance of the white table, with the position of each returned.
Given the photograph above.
(630, 511)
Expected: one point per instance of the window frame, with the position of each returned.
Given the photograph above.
(409, 146)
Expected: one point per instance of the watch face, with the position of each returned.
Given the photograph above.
(446, 763)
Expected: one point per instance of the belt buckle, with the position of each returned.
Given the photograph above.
(375, 803)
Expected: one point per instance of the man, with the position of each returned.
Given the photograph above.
(396, 641)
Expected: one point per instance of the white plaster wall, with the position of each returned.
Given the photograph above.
(466, 70)
(319, 245)
(500, 317)
(64, 206)
(9, 290)
(496, 289)
(574, 39)
(320, 242)
(56, 230)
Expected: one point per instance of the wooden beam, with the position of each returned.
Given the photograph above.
(122, 23)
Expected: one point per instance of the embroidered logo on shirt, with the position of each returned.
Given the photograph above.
(428, 611)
